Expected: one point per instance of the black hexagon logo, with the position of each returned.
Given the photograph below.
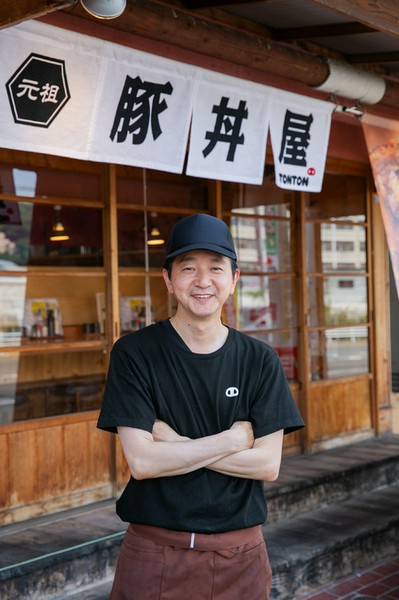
(38, 90)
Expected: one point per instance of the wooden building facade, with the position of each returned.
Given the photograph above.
(314, 283)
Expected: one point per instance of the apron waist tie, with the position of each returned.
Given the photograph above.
(203, 542)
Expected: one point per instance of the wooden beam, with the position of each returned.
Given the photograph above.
(170, 24)
(381, 15)
(16, 11)
(177, 27)
(376, 58)
(321, 31)
(195, 4)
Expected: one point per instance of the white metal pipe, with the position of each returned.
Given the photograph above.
(350, 82)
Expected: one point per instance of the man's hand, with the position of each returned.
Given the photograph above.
(261, 461)
(245, 434)
(162, 432)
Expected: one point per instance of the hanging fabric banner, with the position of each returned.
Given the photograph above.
(47, 91)
(299, 131)
(72, 95)
(382, 139)
(229, 129)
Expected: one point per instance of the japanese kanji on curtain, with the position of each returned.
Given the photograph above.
(229, 129)
(299, 131)
(73, 95)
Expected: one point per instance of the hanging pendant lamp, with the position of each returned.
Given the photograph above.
(155, 238)
(58, 233)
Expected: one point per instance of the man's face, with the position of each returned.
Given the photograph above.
(201, 281)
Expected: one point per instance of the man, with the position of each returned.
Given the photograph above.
(200, 410)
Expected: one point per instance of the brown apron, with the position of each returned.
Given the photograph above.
(160, 564)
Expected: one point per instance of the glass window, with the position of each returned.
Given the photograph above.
(265, 303)
(241, 198)
(27, 391)
(143, 300)
(337, 300)
(139, 249)
(261, 222)
(77, 180)
(343, 197)
(46, 235)
(333, 247)
(158, 189)
(41, 316)
(338, 352)
(262, 245)
(337, 290)
(12, 304)
(286, 346)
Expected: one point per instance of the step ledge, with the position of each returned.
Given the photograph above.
(51, 559)
(327, 477)
(276, 532)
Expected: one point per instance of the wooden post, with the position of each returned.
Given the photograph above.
(380, 355)
(112, 316)
(302, 315)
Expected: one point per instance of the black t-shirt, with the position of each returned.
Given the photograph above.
(154, 375)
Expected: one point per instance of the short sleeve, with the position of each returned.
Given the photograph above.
(128, 395)
(274, 407)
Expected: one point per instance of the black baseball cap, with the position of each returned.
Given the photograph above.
(200, 232)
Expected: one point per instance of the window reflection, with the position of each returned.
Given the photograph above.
(342, 197)
(24, 182)
(265, 303)
(338, 352)
(38, 396)
(132, 248)
(337, 300)
(161, 189)
(262, 245)
(25, 394)
(336, 247)
(336, 258)
(260, 219)
(12, 303)
(143, 299)
(286, 346)
(240, 197)
(25, 235)
(8, 385)
(77, 179)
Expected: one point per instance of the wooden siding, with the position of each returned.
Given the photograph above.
(52, 464)
(339, 407)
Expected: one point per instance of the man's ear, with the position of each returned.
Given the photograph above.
(167, 281)
(235, 279)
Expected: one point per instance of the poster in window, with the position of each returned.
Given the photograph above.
(42, 318)
(133, 312)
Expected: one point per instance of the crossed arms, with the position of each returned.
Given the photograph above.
(234, 452)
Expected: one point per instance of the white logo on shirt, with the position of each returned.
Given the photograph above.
(231, 392)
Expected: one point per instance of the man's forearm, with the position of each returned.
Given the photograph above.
(148, 458)
(262, 461)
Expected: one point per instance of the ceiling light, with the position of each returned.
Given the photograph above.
(58, 231)
(104, 9)
(155, 238)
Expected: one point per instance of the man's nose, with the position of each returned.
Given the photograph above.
(203, 278)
